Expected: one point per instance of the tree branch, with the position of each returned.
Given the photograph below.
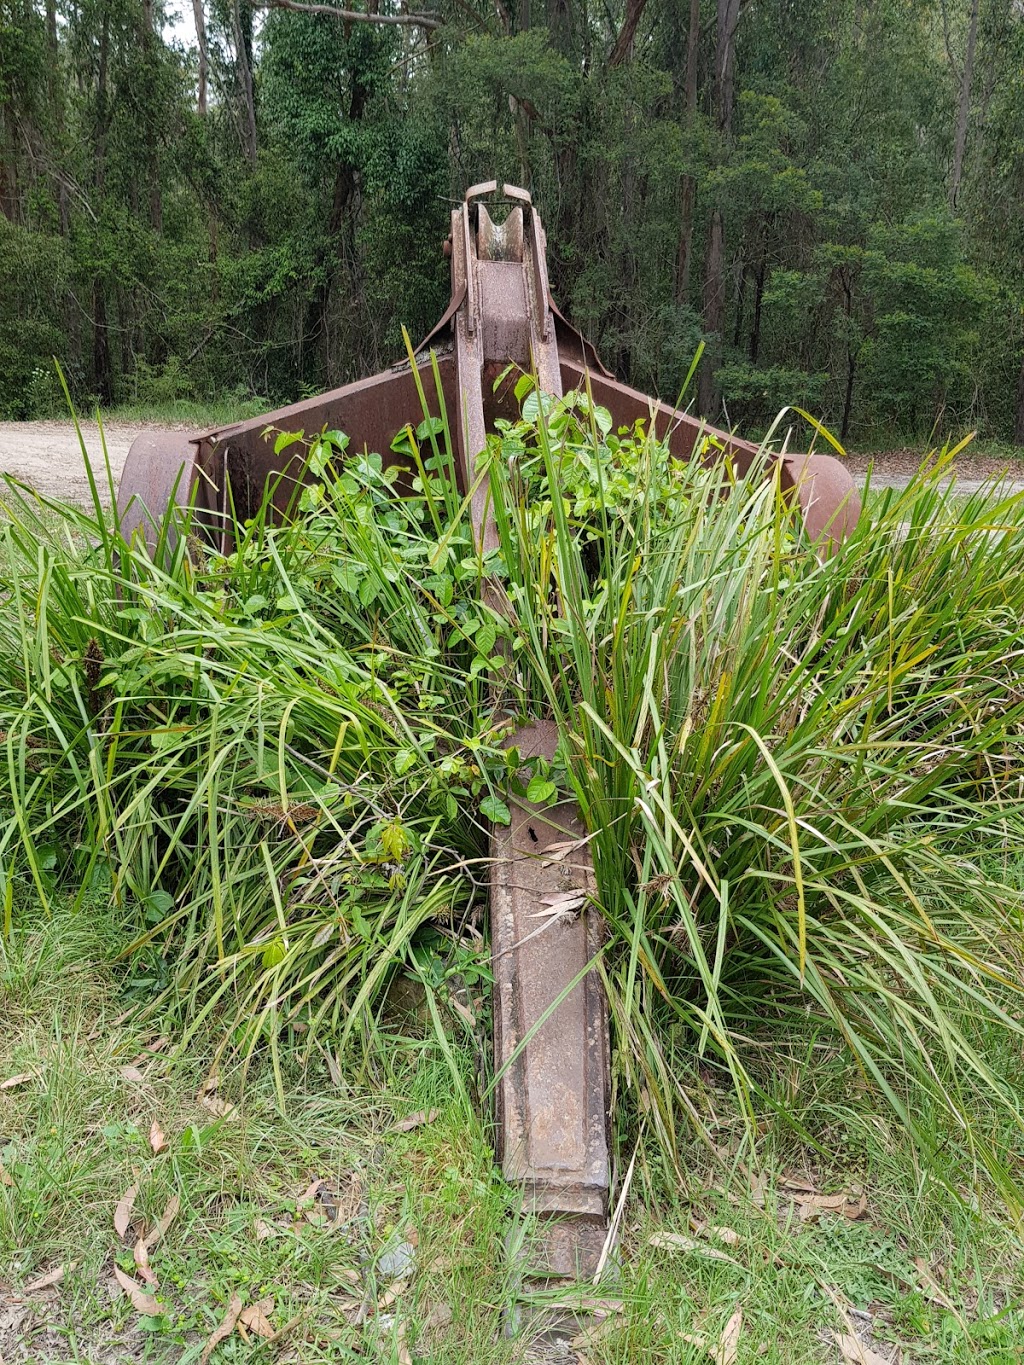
(351, 16)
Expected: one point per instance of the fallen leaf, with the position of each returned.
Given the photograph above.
(141, 1257)
(221, 1109)
(163, 1222)
(146, 1055)
(157, 1141)
(123, 1212)
(811, 1207)
(416, 1120)
(587, 1303)
(289, 1326)
(254, 1319)
(797, 1185)
(12, 1081)
(141, 1301)
(404, 1358)
(855, 1352)
(439, 1316)
(729, 1236)
(394, 1291)
(728, 1342)
(5, 1179)
(53, 1277)
(131, 1073)
(854, 1210)
(265, 1230)
(223, 1330)
(463, 1011)
(675, 1241)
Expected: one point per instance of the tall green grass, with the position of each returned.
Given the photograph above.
(800, 773)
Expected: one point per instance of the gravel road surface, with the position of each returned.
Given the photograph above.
(47, 456)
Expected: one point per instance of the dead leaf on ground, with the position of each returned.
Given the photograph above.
(463, 1011)
(213, 1104)
(416, 1120)
(588, 1303)
(404, 1357)
(141, 1301)
(123, 1212)
(254, 1319)
(157, 1141)
(265, 1230)
(439, 1316)
(141, 1257)
(728, 1343)
(5, 1179)
(794, 1184)
(729, 1236)
(675, 1241)
(163, 1222)
(12, 1081)
(811, 1207)
(854, 1352)
(146, 1055)
(131, 1073)
(51, 1278)
(223, 1329)
(394, 1291)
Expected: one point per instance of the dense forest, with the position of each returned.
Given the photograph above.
(829, 192)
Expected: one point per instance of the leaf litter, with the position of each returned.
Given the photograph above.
(141, 1301)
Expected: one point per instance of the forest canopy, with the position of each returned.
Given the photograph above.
(828, 193)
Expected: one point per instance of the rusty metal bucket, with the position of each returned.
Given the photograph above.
(553, 1091)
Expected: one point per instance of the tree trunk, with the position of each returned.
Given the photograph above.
(150, 42)
(689, 195)
(755, 330)
(623, 50)
(103, 379)
(204, 60)
(243, 60)
(714, 310)
(851, 370)
(963, 109)
(57, 105)
(724, 88)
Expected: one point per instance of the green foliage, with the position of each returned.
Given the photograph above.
(284, 260)
(799, 773)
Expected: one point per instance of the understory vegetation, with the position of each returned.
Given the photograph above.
(801, 775)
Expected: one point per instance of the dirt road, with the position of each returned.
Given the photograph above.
(47, 456)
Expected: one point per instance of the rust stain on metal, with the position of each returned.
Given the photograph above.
(554, 1087)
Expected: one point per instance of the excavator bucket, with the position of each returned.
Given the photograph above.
(551, 1040)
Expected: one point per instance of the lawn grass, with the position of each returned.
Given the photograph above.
(192, 412)
(937, 1275)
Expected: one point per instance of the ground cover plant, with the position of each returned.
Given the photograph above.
(806, 1246)
(802, 777)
